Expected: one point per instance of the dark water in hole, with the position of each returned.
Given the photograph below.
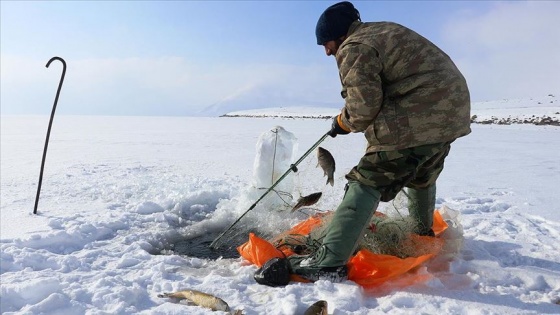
(200, 247)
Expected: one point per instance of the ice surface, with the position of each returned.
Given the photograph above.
(116, 190)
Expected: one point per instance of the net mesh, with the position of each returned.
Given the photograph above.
(388, 233)
(265, 220)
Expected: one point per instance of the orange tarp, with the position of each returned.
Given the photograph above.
(258, 251)
(365, 268)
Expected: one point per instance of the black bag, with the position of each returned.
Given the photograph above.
(274, 273)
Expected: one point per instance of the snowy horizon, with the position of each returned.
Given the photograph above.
(530, 110)
(490, 111)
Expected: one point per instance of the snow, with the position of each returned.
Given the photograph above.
(528, 109)
(118, 190)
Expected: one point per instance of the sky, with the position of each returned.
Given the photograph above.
(180, 58)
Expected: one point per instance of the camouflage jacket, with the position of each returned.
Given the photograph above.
(399, 88)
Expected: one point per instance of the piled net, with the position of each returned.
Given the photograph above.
(393, 233)
(390, 233)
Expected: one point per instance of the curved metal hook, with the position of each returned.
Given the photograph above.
(49, 128)
(61, 60)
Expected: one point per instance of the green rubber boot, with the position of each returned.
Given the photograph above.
(343, 234)
(421, 206)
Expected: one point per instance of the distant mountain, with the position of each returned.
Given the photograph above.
(263, 96)
(543, 110)
(287, 112)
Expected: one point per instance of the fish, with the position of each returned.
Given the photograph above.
(307, 200)
(201, 299)
(326, 161)
(318, 308)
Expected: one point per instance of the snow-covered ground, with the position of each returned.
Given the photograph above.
(117, 191)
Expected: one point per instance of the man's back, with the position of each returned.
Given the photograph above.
(425, 97)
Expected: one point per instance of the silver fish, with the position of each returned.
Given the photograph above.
(326, 161)
(307, 200)
(201, 299)
(318, 308)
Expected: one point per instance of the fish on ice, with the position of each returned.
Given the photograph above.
(318, 308)
(201, 299)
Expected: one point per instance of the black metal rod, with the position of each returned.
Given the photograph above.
(49, 128)
(292, 168)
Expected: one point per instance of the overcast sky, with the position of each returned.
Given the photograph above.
(179, 57)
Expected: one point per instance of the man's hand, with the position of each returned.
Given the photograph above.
(337, 127)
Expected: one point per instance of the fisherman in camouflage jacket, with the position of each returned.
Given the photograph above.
(410, 101)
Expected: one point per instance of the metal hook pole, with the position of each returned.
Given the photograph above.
(49, 129)
(292, 168)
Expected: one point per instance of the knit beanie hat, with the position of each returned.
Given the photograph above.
(335, 21)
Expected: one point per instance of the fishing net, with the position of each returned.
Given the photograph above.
(268, 217)
(263, 207)
(366, 268)
(392, 232)
(274, 179)
(389, 233)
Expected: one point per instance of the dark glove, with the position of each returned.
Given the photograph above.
(336, 129)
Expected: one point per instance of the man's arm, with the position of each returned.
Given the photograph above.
(360, 67)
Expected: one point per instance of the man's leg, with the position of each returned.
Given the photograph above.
(421, 206)
(422, 189)
(343, 234)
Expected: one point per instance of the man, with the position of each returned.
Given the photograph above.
(410, 100)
